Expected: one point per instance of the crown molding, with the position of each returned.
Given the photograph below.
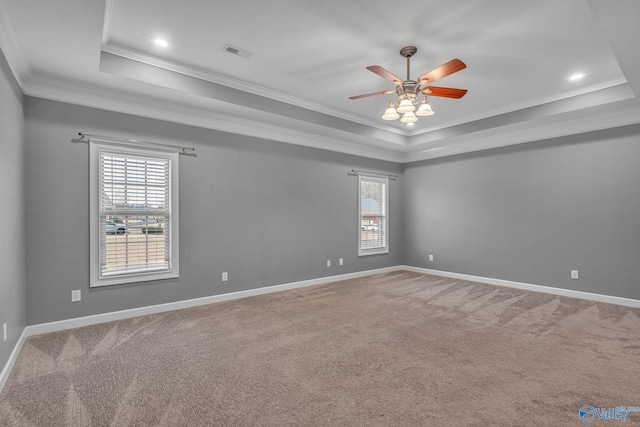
(595, 99)
(532, 103)
(206, 75)
(108, 19)
(209, 76)
(107, 99)
(11, 47)
(606, 116)
(622, 113)
(231, 101)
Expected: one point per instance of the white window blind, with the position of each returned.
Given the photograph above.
(135, 214)
(372, 215)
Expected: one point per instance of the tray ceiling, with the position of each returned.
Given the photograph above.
(308, 57)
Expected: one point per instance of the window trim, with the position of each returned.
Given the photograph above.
(385, 248)
(96, 146)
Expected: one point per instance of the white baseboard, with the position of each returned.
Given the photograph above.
(4, 376)
(78, 322)
(628, 302)
(135, 312)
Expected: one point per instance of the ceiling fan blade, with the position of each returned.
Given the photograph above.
(444, 70)
(385, 74)
(384, 92)
(445, 92)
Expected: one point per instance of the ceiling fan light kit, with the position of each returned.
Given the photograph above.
(408, 90)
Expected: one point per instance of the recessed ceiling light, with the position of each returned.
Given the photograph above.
(576, 76)
(159, 41)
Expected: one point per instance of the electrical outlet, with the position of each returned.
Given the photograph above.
(430, 257)
(341, 261)
(225, 276)
(76, 295)
(574, 274)
(4, 332)
(328, 263)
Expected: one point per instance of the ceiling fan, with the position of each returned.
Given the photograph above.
(408, 90)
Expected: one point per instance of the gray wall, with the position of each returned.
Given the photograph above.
(272, 213)
(266, 212)
(12, 192)
(531, 213)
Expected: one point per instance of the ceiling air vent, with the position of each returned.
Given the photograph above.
(237, 51)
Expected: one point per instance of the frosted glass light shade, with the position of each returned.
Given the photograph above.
(390, 113)
(405, 106)
(409, 117)
(425, 110)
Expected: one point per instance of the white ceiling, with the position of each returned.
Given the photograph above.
(310, 56)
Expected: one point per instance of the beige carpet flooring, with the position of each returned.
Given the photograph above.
(396, 349)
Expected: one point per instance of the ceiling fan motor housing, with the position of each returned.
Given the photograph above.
(408, 89)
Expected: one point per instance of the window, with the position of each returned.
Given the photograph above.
(133, 213)
(372, 215)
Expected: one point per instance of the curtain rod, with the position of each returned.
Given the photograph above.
(357, 172)
(135, 141)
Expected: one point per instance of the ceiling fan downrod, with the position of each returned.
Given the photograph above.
(408, 52)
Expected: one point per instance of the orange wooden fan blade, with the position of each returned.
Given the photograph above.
(444, 70)
(385, 74)
(445, 92)
(384, 92)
